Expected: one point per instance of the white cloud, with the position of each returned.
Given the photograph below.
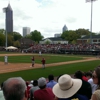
(49, 16)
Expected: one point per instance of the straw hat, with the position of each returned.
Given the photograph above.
(66, 86)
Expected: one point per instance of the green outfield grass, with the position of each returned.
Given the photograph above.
(49, 58)
(56, 71)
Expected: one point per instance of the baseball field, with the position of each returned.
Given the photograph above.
(19, 65)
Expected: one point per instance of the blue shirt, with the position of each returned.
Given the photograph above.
(51, 84)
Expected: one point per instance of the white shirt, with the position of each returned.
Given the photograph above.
(6, 58)
(1, 95)
(93, 86)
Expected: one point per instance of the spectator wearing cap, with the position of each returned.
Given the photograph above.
(51, 82)
(90, 80)
(86, 87)
(43, 93)
(66, 88)
(14, 89)
(33, 89)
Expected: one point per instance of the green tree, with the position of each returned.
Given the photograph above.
(72, 36)
(2, 39)
(16, 36)
(47, 42)
(81, 32)
(65, 35)
(69, 36)
(28, 36)
(9, 40)
(16, 44)
(36, 36)
(73, 42)
(2, 31)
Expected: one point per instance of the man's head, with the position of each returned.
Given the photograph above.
(35, 83)
(50, 77)
(78, 74)
(14, 89)
(89, 75)
(42, 83)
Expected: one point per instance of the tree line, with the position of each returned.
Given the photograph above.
(12, 38)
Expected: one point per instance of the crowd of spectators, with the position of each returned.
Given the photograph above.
(82, 86)
(55, 48)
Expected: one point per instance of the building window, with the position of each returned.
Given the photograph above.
(94, 40)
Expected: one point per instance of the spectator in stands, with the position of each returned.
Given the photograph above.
(14, 89)
(43, 93)
(66, 88)
(51, 82)
(90, 80)
(28, 88)
(84, 77)
(96, 80)
(1, 92)
(86, 87)
(30, 83)
(33, 89)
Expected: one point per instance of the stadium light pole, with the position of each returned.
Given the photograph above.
(6, 37)
(91, 19)
(5, 10)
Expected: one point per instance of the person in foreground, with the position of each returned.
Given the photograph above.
(90, 80)
(51, 82)
(33, 89)
(66, 88)
(86, 87)
(14, 89)
(96, 80)
(43, 93)
(1, 92)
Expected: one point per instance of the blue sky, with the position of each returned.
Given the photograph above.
(49, 16)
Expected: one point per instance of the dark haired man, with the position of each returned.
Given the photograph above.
(33, 89)
(51, 82)
(86, 87)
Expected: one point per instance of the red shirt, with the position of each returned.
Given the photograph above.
(32, 59)
(44, 94)
(43, 61)
(84, 78)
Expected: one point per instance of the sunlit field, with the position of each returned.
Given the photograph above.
(49, 58)
(32, 74)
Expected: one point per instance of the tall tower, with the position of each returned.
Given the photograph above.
(9, 18)
(26, 31)
(64, 28)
